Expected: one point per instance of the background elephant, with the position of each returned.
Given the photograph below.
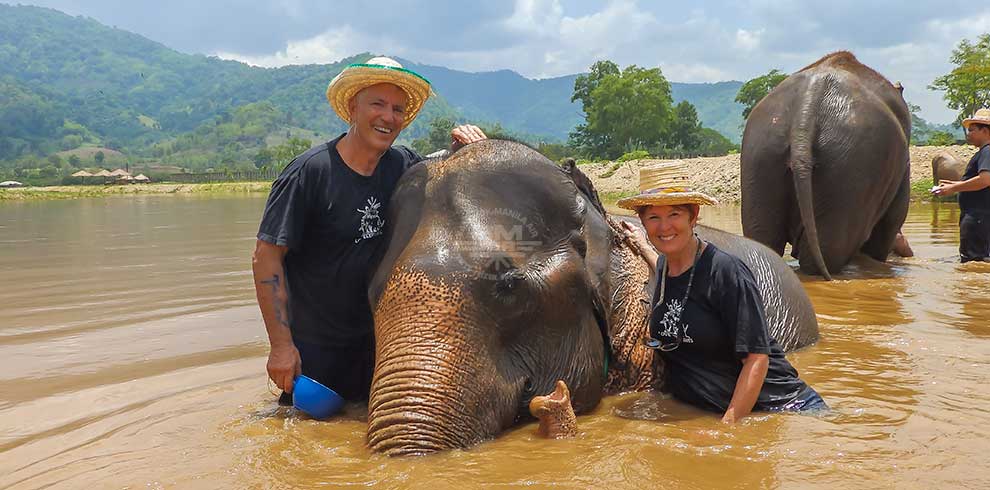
(945, 166)
(502, 275)
(825, 165)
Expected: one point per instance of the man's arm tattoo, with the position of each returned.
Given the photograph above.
(274, 282)
(280, 314)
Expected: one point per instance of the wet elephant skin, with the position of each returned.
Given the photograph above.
(824, 165)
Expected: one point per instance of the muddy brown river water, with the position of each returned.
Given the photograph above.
(132, 355)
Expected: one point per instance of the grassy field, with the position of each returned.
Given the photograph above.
(79, 191)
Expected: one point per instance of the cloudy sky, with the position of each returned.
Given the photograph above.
(699, 41)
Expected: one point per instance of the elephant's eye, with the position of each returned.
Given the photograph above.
(510, 282)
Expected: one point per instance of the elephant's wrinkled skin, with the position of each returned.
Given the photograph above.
(501, 275)
(825, 165)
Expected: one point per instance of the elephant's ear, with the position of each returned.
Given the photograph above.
(583, 183)
(601, 318)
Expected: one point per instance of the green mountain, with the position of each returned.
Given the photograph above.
(716, 105)
(67, 82)
(121, 90)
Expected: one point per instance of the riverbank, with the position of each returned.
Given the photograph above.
(79, 191)
(719, 176)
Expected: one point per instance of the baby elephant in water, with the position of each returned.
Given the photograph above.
(504, 280)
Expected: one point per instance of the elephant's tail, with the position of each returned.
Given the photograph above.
(802, 165)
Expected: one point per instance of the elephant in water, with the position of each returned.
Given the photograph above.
(503, 275)
(945, 166)
(825, 165)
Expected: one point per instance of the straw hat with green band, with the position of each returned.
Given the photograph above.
(665, 184)
(358, 76)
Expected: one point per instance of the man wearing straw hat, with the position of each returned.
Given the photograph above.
(707, 319)
(974, 192)
(322, 227)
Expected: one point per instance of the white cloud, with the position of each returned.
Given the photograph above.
(539, 17)
(703, 42)
(694, 72)
(328, 47)
(748, 40)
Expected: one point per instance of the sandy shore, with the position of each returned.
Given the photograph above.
(719, 176)
(77, 191)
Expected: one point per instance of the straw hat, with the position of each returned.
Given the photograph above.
(358, 76)
(982, 116)
(665, 184)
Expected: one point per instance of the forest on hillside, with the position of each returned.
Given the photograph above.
(79, 94)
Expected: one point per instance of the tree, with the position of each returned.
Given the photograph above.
(941, 138)
(284, 153)
(623, 111)
(753, 91)
(99, 157)
(74, 161)
(263, 158)
(585, 84)
(711, 143)
(967, 86)
(685, 133)
(437, 138)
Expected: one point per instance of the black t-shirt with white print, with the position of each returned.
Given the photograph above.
(721, 322)
(976, 201)
(331, 218)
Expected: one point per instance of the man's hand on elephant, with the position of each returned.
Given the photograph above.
(284, 364)
(944, 188)
(465, 134)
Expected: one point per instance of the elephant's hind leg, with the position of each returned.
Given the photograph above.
(884, 234)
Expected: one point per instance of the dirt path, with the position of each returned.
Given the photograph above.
(719, 176)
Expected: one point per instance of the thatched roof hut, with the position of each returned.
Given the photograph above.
(82, 173)
(142, 178)
(120, 173)
(102, 173)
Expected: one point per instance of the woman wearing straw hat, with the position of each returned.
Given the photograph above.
(322, 228)
(707, 319)
(974, 192)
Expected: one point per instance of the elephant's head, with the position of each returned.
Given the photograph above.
(493, 286)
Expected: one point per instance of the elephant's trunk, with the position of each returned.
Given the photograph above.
(411, 411)
(802, 167)
(434, 388)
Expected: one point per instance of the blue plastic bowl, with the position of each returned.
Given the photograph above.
(314, 398)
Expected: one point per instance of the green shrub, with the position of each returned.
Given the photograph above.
(634, 155)
(611, 170)
(941, 138)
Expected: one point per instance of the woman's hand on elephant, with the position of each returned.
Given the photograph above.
(465, 134)
(637, 241)
(284, 364)
(636, 238)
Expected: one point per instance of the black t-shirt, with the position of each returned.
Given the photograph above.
(976, 201)
(331, 218)
(722, 321)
